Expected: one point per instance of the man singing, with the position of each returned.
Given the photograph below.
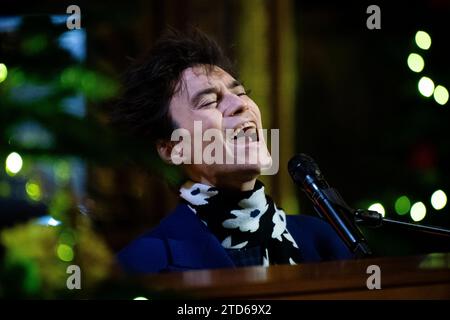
(224, 218)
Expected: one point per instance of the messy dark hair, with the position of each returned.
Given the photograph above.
(150, 83)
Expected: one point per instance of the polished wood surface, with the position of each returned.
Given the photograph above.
(417, 277)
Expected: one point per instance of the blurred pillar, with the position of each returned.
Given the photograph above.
(286, 80)
(267, 63)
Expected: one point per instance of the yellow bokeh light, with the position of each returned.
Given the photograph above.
(418, 211)
(440, 95)
(13, 163)
(438, 199)
(3, 72)
(415, 62)
(426, 86)
(423, 40)
(378, 207)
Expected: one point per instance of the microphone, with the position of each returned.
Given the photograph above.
(328, 203)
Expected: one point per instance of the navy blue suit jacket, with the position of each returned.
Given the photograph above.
(182, 242)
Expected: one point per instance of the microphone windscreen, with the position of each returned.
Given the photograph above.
(302, 165)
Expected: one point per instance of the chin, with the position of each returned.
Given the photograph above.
(242, 171)
(250, 168)
(247, 168)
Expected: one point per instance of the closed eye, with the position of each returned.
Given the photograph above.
(208, 103)
(245, 93)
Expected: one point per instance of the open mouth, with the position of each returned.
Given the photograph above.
(247, 131)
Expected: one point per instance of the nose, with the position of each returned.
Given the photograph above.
(235, 105)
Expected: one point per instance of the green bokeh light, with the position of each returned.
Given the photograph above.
(423, 40)
(415, 62)
(3, 72)
(62, 171)
(402, 205)
(440, 95)
(65, 252)
(92, 84)
(70, 77)
(33, 190)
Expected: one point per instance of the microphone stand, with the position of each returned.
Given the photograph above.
(344, 222)
(369, 218)
(331, 207)
(375, 219)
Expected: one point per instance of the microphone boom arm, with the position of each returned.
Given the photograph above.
(375, 219)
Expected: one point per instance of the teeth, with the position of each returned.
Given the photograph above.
(247, 129)
(239, 134)
(251, 134)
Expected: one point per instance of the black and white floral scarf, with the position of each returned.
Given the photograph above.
(244, 219)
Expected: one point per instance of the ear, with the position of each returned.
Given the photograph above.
(164, 148)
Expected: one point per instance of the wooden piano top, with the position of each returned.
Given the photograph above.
(416, 277)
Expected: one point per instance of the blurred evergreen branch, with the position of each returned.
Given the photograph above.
(41, 77)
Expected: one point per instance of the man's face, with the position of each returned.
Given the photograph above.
(215, 100)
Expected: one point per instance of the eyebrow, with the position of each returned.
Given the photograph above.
(195, 99)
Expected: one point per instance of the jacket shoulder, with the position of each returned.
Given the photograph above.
(148, 252)
(180, 240)
(145, 254)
